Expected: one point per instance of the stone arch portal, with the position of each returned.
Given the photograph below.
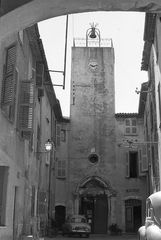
(94, 185)
(16, 15)
(95, 198)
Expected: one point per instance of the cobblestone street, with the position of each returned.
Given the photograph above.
(96, 237)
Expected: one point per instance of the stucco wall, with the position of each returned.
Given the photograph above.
(92, 116)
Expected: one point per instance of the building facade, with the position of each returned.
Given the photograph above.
(106, 181)
(29, 113)
(150, 98)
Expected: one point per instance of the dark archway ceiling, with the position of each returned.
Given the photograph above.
(19, 14)
(108, 5)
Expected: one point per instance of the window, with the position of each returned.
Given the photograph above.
(33, 195)
(9, 84)
(39, 75)
(53, 127)
(93, 158)
(151, 115)
(136, 162)
(159, 99)
(63, 135)
(61, 169)
(130, 126)
(132, 164)
(3, 193)
(144, 158)
(58, 135)
(26, 109)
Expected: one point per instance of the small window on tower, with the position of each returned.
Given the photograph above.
(93, 158)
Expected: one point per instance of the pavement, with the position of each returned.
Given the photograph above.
(96, 237)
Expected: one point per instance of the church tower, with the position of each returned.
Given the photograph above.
(91, 169)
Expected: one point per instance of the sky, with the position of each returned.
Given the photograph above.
(126, 30)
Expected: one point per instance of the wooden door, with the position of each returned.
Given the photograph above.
(129, 219)
(100, 215)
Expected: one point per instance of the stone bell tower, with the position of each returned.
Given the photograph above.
(92, 133)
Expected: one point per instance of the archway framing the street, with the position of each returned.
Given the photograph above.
(19, 14)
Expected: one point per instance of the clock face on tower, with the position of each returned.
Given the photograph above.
(93, 66)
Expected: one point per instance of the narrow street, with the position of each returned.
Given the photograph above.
(96, 237)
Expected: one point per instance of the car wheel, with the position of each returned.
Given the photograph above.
(80, 235)
(62, 233)
(87, 235)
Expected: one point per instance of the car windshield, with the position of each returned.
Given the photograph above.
(78, 220)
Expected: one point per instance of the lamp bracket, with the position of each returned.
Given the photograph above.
(137, 91)
(40, 154)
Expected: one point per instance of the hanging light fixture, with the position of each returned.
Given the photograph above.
(48, 145)
(48, 148)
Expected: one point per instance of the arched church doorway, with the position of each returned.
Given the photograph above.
(93, 203)
(95, 209)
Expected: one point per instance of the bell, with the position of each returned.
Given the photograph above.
(93, 34)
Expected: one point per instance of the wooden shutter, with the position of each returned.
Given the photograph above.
(141, 172)
(159, 99)
(26, 108)
(127, 126)
(8, 76)
(33, 201)
(144, 157)
(133, 126)
(127, 165)
(39, 75)
(61, 170)
(58, 135)
(14, 95)
(140, 162)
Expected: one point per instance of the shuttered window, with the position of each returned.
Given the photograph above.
(61, 169)
(8, 76)
(33, 194)
(26, 109)
(39, 75)
(130, 126)
(141, 172)
(144, 157)
(3, 193)
(9, 83)
(159, 99)
(127, 165)
(132, 164)
(58, 135)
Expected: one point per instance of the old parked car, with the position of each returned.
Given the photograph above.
(152, 228)
(76, 225)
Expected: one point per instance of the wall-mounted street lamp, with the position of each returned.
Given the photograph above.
(48, 147)
(137, 91)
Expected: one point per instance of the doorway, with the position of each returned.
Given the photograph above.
(132, 215)
(15, 213)
(95, 210)
(60, 216)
